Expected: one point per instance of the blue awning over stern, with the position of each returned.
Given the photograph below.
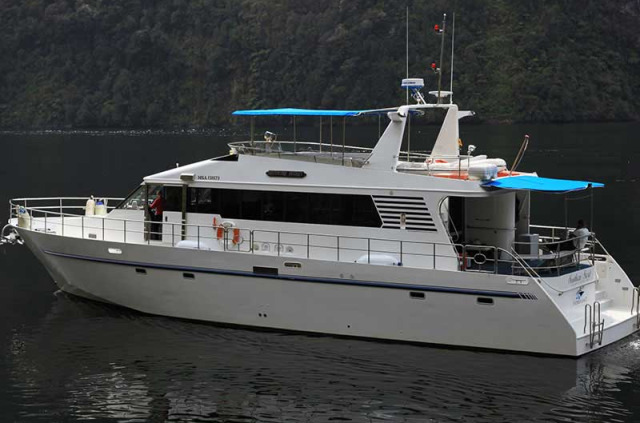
(534, 183)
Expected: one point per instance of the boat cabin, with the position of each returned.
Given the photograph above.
(451, 210)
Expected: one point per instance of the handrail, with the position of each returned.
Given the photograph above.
(296, 148)
(532, 272)
(487, 258)
(63, 198)
(597, 324)
(257, 144)
(64, 222)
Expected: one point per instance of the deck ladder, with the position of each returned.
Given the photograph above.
(592, 319)
(635, 304)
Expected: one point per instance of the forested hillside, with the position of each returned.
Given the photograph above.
(186, 63)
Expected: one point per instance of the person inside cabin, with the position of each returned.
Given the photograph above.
(157, 208)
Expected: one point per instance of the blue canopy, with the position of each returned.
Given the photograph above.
(534, 183)
(297, 112)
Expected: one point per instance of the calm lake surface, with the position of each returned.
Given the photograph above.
(64, 359)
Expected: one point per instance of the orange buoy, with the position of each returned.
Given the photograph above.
(236, 236)
(218, 228)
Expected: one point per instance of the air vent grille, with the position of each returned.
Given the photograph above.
(391, 208)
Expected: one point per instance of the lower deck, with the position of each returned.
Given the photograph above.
(401, 247)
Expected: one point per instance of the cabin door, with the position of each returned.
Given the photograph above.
(171, 227)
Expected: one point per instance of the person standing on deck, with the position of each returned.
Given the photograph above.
(157, 208)
(580, 235)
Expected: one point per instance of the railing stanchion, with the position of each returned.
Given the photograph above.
(103, 229)
(124, 235)
(278, 246)
(45, 221)
(464, 258)
(198, 233)
(173, 233)
(401, 258)
(369, 250)
(338, 248)
(308, 246)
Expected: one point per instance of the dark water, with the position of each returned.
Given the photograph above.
(64, 360)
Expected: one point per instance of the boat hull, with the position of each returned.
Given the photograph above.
(346, 299)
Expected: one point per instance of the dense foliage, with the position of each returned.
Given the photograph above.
(168, 63)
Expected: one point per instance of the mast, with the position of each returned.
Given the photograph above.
(441, 32)
(453, 34)
(407, 49)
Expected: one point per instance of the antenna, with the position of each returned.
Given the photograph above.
(453, 34)
(444, 23)
(407, 49)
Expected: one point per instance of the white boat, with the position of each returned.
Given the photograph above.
(328, 238)
(341, 240)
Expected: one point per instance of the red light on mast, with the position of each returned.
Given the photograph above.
(436, 28)
(433, 65)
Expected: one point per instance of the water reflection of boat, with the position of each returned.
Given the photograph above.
(328, 238)
(86, 360)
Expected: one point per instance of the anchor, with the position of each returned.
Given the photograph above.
(10, 236)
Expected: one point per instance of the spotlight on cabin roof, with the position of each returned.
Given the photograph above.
(442, 93)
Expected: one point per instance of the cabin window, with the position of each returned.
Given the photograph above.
(134, 201)
(296, 206)
(272, 206)
(201, 201)
(276, 206)
(173, 199)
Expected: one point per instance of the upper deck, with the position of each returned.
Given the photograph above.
(422, 162)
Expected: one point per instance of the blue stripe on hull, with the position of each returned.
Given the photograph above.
(373, 284)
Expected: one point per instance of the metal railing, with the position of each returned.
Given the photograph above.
(307, 151)
(347, 155)
(555, 253)
(52, 216)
